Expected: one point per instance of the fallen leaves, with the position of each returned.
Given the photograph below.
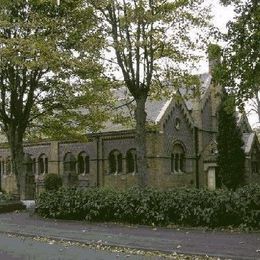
(102, 245)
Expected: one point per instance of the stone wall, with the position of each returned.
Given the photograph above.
(182, 134)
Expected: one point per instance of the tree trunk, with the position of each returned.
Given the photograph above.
(17, 159)
(140, 138)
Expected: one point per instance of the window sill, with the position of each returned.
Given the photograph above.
(115, 173)
(132, 173)
(177, 173)
(83, 173)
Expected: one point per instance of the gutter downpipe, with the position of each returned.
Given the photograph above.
(197, 156)
(98, 171)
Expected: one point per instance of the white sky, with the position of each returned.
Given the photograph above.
(221, 14)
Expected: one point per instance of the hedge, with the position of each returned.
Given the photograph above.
(52, 181)
(11, 206)
(190, 207)
(6, 197)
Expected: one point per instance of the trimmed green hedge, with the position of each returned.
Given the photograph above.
(11, 206)
(52, 181)
(5, 197)
(192, 207)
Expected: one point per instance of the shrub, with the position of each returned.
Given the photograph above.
(52, 182)
(6, 197)
(191, 207)
(11, 206)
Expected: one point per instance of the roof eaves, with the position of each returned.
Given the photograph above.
(163, 110)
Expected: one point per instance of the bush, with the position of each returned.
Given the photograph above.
(52, 182)
(11, 206)
(191, 207)
(5, 197)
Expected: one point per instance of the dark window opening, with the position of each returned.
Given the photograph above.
(115, 162)
(131, 161)
(178, 159)
(83, 164)
(43, 164)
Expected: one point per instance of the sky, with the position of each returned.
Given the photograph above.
(221, 14)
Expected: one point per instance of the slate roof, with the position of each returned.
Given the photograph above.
(154, 108)
(205, 80)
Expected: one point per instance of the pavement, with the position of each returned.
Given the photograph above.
(14, 247)
(228, 245)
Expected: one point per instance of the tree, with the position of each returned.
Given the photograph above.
(231, 157)
(45, 63)
(151, 41)
(242, 54)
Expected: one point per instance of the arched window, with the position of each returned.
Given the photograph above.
(69, 163)
(43, 164)
(83, 163)
(115, 162)
(178, 159)
(131, 165)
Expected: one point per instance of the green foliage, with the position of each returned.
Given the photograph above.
(11, 206)
(231, 157)
(214, 51)
(152, 44)
(242, 53)
(52, 82)
(190, 207)
(5, 197)
(8, 203)
(52, 181)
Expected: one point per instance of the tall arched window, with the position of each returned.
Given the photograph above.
(69, 163)
(43, 164)
(178, 159)
(83, 163)
(131, 165)
(115, 162)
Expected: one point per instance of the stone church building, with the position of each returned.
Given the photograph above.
(181, 149)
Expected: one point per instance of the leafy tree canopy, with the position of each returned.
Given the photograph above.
(152, 42)
(241, 66)
(47, 66)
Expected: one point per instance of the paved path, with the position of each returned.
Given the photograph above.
(24, 248)
(221, 244)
